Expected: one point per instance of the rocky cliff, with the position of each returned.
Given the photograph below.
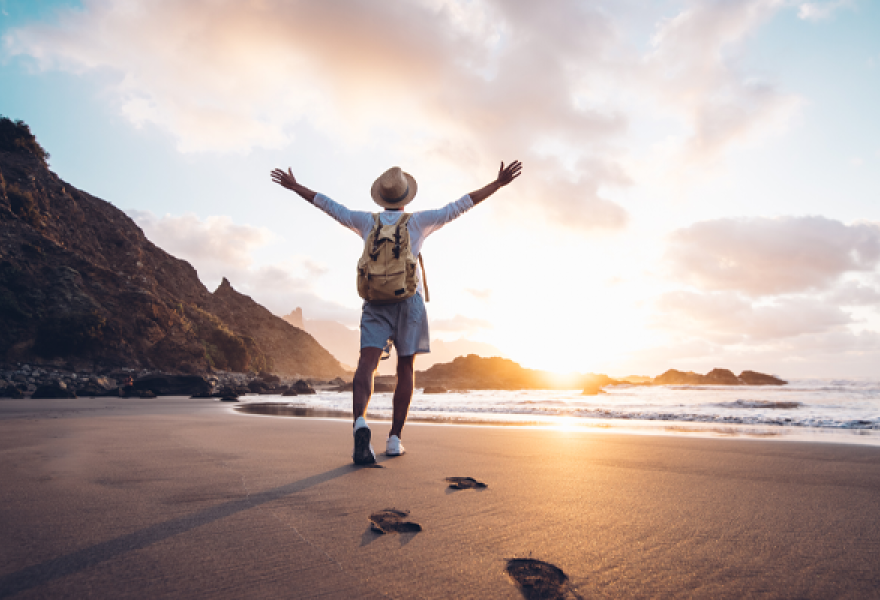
(81, 286)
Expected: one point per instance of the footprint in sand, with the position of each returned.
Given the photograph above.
(391, 520)
(538, 580)
(465, 483)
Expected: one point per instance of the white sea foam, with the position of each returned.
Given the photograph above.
(829, 405)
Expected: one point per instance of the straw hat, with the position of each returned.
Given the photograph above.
(394, 188)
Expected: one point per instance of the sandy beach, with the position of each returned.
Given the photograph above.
(173, 497)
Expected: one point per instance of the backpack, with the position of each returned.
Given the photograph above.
(386, 272)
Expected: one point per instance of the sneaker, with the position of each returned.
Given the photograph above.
(393, 447)
(363, 451)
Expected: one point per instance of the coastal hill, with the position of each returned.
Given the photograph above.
(82, 287)
(477, 373)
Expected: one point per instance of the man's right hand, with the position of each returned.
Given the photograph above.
(505, 176)
(287, 180)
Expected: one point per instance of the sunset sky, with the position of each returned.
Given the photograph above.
(701, 185)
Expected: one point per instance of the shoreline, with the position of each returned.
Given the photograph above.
(671, 427)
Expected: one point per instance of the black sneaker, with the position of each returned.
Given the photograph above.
(363, 451)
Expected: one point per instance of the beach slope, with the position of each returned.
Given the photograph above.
(176, 497)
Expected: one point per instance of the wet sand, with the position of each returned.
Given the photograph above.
(115, 498)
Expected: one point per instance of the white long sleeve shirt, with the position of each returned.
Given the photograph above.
(421, 224)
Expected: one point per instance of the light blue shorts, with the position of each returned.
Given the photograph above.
(403, 325)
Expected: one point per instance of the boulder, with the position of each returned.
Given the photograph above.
(172, 385)
(434, 389)
(94, 391)
(258, 387)
(53, 390)
(302, 388)
(225, 391)
(290, 392)
(232, 398)
(103, 382)
(269, 378)
(337, 381)
(379, 387)
(755, 378)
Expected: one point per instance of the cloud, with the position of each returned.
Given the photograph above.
(853, 293)
(481, 294)
(728, 318)
(217, 242)
(843, 352)
(217, 248)
(819, 11)
(763, 256)
(694, 63)
(463, 82)
(460, 324)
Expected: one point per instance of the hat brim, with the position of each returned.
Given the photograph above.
(411, 184)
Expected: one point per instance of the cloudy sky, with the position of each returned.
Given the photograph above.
(701, 184)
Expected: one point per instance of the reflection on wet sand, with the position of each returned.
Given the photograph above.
(722, 431)
(278, 409)
(286, 409)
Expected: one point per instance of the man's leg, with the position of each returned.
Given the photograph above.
(362, 386)
(403, 392)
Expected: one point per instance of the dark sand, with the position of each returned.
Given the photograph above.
(181, 498)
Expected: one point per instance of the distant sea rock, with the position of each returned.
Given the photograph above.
(675, 377)
(82, 287)
(477, 373)
(593, 390)
(474, 372)
(754, 378)
(722, 377)
(716, 377)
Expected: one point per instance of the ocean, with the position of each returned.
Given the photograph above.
(834, 410)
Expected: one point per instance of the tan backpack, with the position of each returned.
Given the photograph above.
(386, 272)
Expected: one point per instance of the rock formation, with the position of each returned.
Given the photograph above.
(477, 373)
(82, 287)
(716, 377)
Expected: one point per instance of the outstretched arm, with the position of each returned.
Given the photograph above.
(505, 176)
(288, 181)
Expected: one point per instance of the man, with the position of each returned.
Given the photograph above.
(403, 324)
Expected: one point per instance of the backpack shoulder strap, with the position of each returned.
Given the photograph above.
(424, 278)
(377, 229)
